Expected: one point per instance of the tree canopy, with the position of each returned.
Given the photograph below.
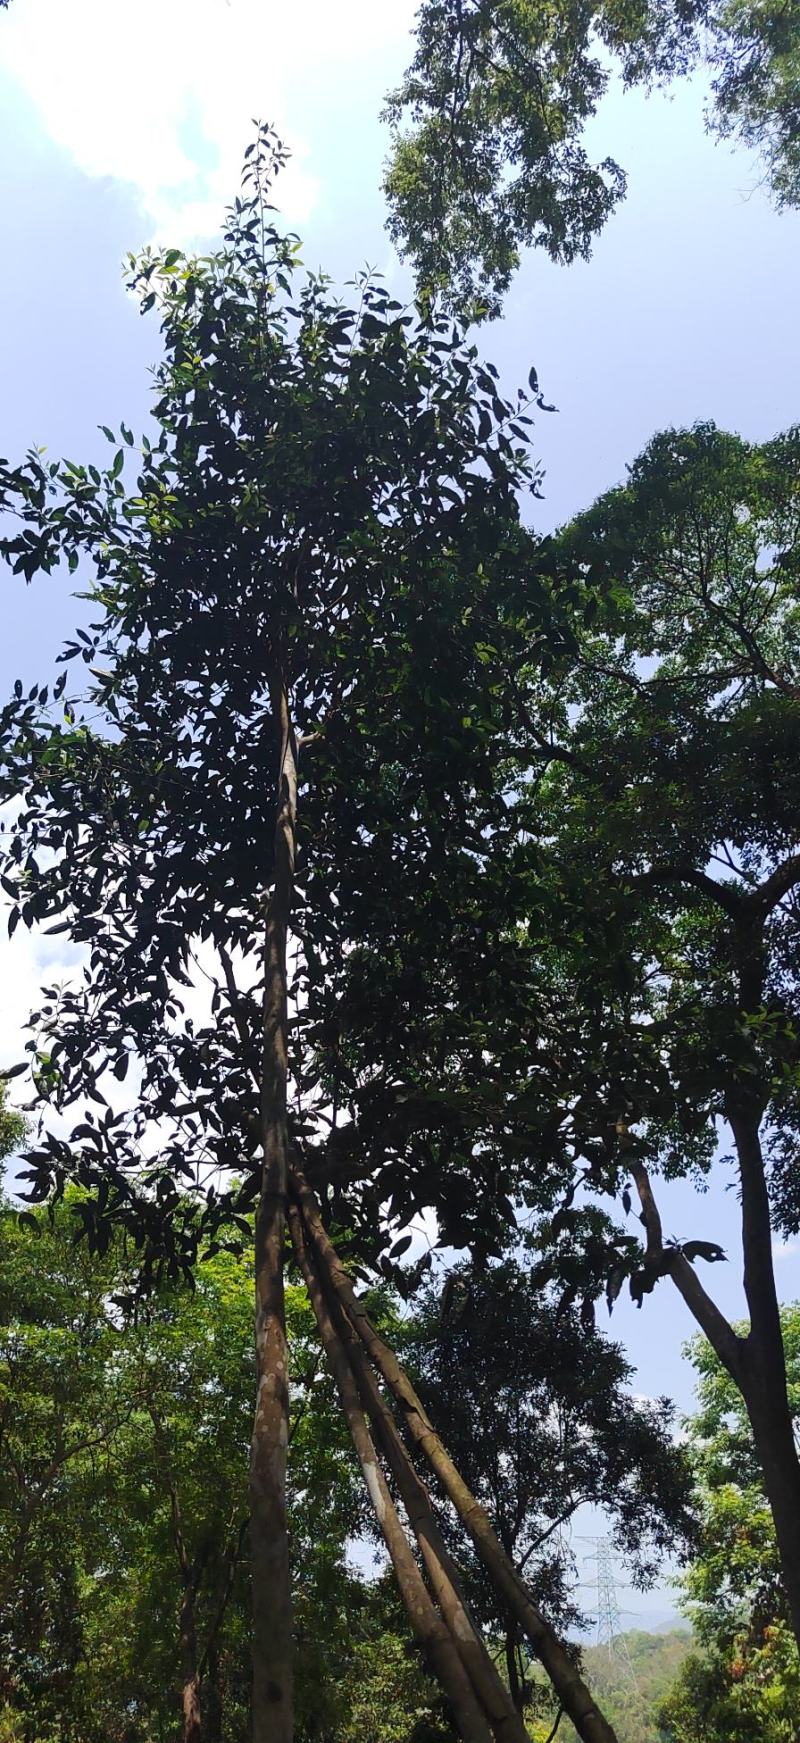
(283, 774)
(662, 820)
(336, 489)
(488, 122)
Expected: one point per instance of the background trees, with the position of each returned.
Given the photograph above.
(124, 1542)
(663, 824)
(497, 97)
(745, 1678)
(124, 1520)
(540, 1420)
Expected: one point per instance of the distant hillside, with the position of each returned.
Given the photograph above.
(629, 1701)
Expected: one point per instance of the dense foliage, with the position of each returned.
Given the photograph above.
(744, 1680)
(632, 1678)
(124, 1508)
(124, 1557)
(541, 1421)
(337, 488)
(661, 822)
(489, 119)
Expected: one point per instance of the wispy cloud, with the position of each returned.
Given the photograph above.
(162, 96)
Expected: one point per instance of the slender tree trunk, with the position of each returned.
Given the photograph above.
(272, 1607)
(763, 1369)
(191, 1721)
(212, 1698)
(442, 1572)
(572, 1692)
(512, 1638)
(191, 1576)
(429, 1627)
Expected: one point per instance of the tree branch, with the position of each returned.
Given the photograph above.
(718, 1330)
(680, 872)
(219, 1614)
(784, 878)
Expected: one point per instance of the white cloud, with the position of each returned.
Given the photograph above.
(785, 1249)
(160, 94)
(28, 961)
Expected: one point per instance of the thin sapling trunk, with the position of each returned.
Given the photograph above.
(272, 1605)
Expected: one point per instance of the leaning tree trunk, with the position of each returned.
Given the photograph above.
(572, 1692)
(272, 1605)
(756, 1363)
(435, 1639)
(762, 1377)
(444, 1576)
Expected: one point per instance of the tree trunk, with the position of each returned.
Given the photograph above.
(756, 1362)
(212, 1698)
(763, 1368)
(443, 1574)
(572, 1692)
(431, 1632)
(191, 1721)
(272, 1606)
(512, 1641)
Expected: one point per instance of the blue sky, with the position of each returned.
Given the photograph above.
(124, 122)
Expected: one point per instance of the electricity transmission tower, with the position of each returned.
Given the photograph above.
(609, 1623)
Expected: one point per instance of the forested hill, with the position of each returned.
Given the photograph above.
(655, 1660)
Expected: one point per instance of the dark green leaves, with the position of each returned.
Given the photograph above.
(333, 494)
(489, 120)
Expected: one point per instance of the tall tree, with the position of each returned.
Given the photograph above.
(498, 95)
(662, 826)
(332, 504)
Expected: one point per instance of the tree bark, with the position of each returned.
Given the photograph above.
(566, 1679)
(212, 1698)
(272, 1605)
(442, 1572)
(756, 1363)
(430, 1629)
(763, 1382)
(511, 1667)
(191, 1576)
(191, 1721)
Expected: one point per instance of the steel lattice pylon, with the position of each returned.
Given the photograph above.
(609, 1622)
